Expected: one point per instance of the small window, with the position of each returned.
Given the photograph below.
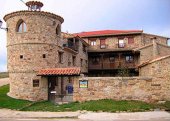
(60, 57)
(102, 43)
(58, 30)
(21, 56)
(93, 42)
(74, 60)
(36, 83)
(130, 40)
(44, 55)
(95, 60)
(84, 48)
(129, 58)
(168, 42)
(112, 59)
(81, 60)
(21, 27)
(121, 43)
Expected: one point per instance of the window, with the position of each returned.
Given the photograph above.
(168, 42)
(74, 60)
(36, 83)
(129, 58)
(95, 60)
(44, 55)
(93, 42)
(130, 40)
(21, 26)
(81, 60)
(102, 43)
(112, 59)
(84, 48)
(58, 30)
(21, 56)
(60, 57)
(121, 43)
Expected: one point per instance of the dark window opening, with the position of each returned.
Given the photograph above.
(84, 48)
(60, 57)
(74, 60)
(112, 59)
(44, 55)
(81, 62)
(36, 83)
(129, 58)
(95, 60)
(21, 56)
(58, 30)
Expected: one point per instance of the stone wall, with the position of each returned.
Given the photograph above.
(21, 86)
(127, 88)
(160, 71)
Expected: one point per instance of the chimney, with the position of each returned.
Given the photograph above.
(155, 47)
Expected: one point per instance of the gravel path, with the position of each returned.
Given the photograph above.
(4, 81)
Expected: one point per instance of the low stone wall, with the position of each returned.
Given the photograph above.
(121, 88)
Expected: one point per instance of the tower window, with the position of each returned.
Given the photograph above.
(21, 56)
(44, 55)
(21, 26)
(58, 30)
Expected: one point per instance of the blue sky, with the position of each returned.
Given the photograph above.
(152, 16)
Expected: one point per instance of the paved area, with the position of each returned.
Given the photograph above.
(10, 115)
(4, 81)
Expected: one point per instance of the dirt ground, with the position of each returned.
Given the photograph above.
(4, 81)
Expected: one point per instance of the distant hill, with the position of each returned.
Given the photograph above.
(4, 75)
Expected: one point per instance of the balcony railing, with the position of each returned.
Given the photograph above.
(112, 65)
(73, 47)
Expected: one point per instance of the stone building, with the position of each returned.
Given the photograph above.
(47, 64)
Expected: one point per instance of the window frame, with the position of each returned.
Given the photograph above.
(21, 27)
(93, 42)
(60, 57)
(36, 83)
(129, 58)
(121, 44)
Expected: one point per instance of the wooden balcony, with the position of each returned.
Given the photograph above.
(111, 65)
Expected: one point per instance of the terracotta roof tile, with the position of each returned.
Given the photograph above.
(60, 71)
(107, 32)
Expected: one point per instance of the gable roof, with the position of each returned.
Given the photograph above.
(108, 32)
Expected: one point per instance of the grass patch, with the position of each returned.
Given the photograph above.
(105, 105)
(10, 103)
(99, 105)
(4, 75)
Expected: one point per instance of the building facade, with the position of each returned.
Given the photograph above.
(47, 64)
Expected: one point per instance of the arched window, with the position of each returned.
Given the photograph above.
(58, 30)
(21, 26)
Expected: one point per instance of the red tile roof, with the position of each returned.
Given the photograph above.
(59, 71)
(107, 32)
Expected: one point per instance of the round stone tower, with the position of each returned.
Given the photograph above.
(32, 44)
